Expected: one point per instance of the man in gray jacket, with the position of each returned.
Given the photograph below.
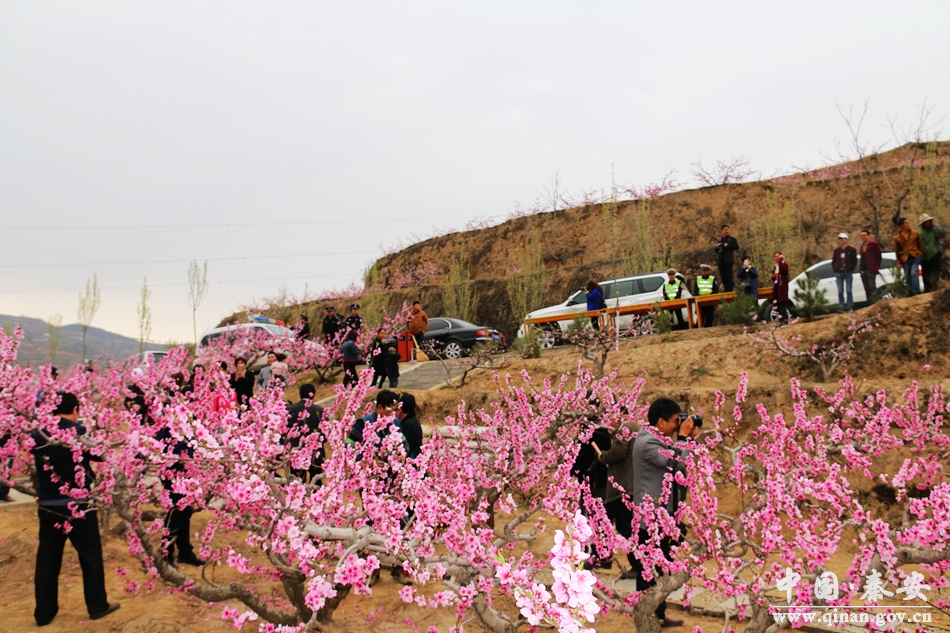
(655, 455)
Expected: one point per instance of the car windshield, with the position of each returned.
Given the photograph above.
(578, 297)
(277, 329)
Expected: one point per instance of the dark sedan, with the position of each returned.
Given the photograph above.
(452, 338)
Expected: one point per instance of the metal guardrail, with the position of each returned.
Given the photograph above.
(691, 304)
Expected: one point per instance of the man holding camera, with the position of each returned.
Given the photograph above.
(656, 454)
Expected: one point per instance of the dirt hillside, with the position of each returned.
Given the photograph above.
(809, 208)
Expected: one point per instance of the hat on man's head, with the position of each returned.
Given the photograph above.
(355, 306)
(671, 271)
(705, 267)
(923, 218)
(842, 236)
(330, 309)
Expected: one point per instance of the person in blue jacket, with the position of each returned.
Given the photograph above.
(595, 301)
(351, 356)
(748, 276)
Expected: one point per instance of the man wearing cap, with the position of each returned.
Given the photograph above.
(726, 249)
(331, 325)
(704, 285)
(843, 263)
(909, 249)
(931, 234)
(354, 321)
(870, 264)
(673, 289)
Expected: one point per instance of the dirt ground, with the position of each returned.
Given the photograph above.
(159, 610)
(688, 365)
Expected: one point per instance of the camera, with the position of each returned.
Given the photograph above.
(697, 419)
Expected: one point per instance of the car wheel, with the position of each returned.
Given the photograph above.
(453, 349)
(548, 339)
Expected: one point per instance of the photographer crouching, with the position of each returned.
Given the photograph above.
(652, 460)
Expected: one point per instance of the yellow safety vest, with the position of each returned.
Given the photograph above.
(670, 290)
(705, 285)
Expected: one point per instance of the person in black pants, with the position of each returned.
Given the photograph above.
(55, 466)
(303, 419)
(726, 249)
(178, 517)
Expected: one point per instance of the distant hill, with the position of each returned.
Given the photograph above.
(34, 349)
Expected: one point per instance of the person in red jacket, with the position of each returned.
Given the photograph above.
(870, 264)
(780, 285)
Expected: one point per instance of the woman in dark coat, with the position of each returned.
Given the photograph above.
(780, 285)
(748, 276)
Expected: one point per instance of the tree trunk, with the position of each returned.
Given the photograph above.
(494, 621)
(297, 592)
(325, 614)
(643, 612)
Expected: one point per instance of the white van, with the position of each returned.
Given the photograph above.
(625, 291)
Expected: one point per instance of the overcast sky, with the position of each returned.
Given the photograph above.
(303, 136)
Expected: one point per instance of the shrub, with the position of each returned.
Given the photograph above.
(663, 322)
(811, 300)
(741, 311)
(529, 345)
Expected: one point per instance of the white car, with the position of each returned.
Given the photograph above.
(240, 329)
(826, 281)
(634, 290)
(151, 356)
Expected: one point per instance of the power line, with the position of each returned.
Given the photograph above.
(141, 227)
(176, 261)
(253, 182)
(224, 281)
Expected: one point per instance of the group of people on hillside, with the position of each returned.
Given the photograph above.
(918, 253)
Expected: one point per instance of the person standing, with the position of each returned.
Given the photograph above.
(909, 249)
(418, 323)
(354, 322)
(351, 356)
(56, 467)
(303, 328)
(377, 351)
(619, 462)
(331, 325)
(242, 381)
(931, 234)
(411, 428)
(871, 257)
(392, 362)
(178, 516)
(749, 276)
(303, 419)
(595, 301)
(705, 285)
(673, 289)
(264, 376)
(726, 249)
(780, 286)
(843, 262)
(655, 454)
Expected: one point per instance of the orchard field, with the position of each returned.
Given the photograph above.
(790, 472)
